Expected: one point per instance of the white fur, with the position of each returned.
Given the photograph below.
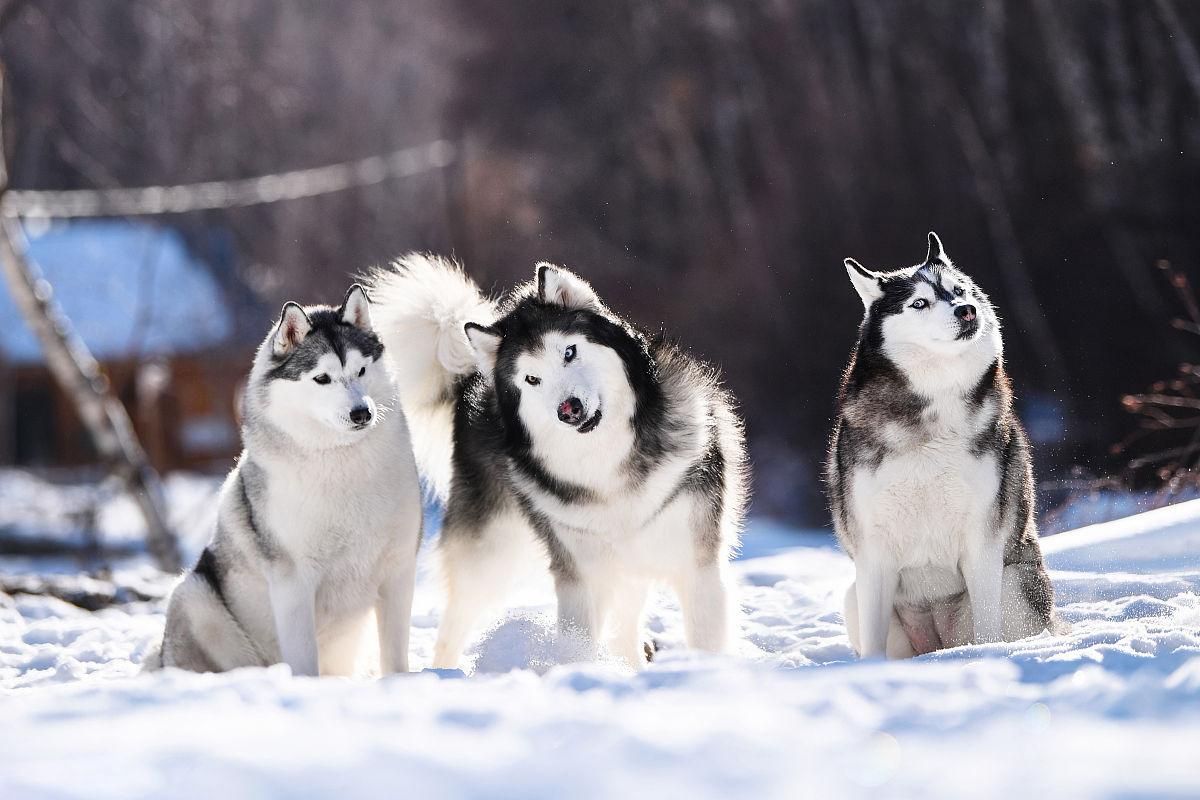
(342, 507)
(865, 282)
(420, 308)
(565, 288)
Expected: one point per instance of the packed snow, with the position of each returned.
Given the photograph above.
(1110, 710)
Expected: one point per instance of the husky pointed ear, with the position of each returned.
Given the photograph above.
(564, 288)
(356, 308)
(485, 343)
(936, 251)
(293, 326)
(868, 284)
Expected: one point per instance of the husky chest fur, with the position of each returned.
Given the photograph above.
(568, 432)
(929, 473)
(319, 522)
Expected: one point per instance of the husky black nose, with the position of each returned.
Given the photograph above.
(965, 313)
(360, 415)
(570, 411)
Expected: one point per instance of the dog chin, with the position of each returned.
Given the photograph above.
(329, 435)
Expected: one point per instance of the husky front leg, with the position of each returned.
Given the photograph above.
(875, 583)
(982, 567)
(625, 621)
(393, 612)
(293, 605)
(576, 606)
(705, 600)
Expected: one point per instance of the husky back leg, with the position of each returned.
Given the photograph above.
(479, 571)
(1027, 602)
(201, 634)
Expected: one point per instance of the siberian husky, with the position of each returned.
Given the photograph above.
(319, 522)
(929, 473)
(555, 429)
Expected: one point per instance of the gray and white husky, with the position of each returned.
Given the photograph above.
(553, 428)
(929, 473)
(319, 522)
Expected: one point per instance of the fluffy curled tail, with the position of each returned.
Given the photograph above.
(419, 305)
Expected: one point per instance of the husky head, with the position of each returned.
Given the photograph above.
(321, 372)
(561, 363)
(932, 308)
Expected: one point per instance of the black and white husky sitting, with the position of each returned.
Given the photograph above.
(929, 473)
(319, 522)
(552, 427)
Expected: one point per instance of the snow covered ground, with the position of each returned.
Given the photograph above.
(1111, 710)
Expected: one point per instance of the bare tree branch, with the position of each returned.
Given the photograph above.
(80, 377)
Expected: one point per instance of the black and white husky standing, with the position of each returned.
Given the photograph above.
(552, 427)
(929, 473)
(319, 522)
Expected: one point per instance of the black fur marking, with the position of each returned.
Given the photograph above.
(562, 565)
(250, 473)
(329, 334)
(481, 489)
(524, 462)
(987, 386)
(209, 569)
(860, 269)
(939, 291)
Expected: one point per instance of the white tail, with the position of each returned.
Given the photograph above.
(419, 306)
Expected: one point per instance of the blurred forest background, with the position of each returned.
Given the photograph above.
(706, 164)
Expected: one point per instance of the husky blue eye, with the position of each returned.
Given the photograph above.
(569, 356)
(532, 381)
(958, 291)
(919, 303)
(322, 379)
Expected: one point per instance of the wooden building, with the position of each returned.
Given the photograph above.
(156, 320)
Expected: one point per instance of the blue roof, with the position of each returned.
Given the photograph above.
(130, 289)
